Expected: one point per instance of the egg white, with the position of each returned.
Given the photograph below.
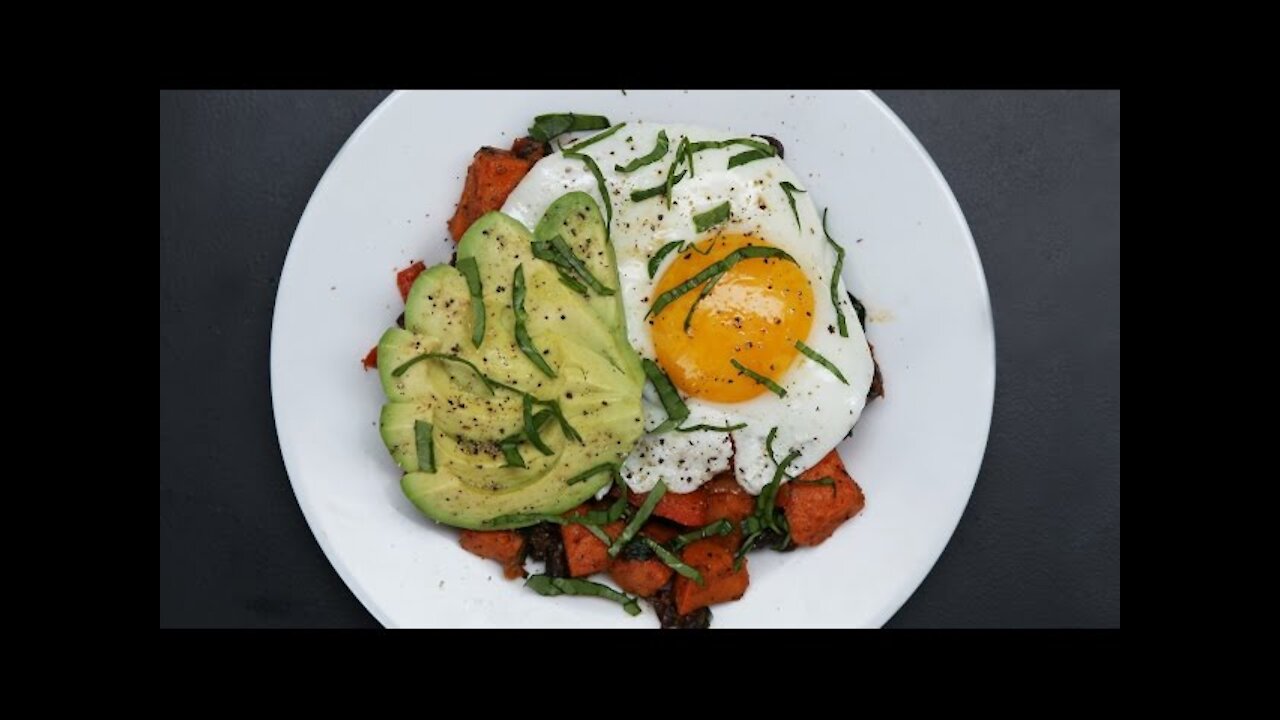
(818, 410)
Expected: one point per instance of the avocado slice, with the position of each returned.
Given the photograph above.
(597, 384)
(576, 218)
(438, 305)
(397, 428)
(395, 348)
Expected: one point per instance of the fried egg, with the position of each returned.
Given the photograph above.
(748, 325)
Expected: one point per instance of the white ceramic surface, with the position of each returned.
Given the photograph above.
(384, 202)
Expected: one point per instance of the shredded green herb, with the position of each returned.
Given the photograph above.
(715, 268)
(552, 125)
(656, 261)
(768, 496)
(657, 153)
(704, 221)
(552, 586)
(706, 290)
(525, 519)
(510, 446)
(422, 437)
(774, 387)
(600, 534)
(570, 282)
(578, 266)
(619, 506)
(835, 277)
(522, 331)
(674, 562)
(700, 145)
(552, 405)
(768, 444)
(565, 427)
(814, 356)
(745, 157)
(710, 246)
(747, 543)
(470, 271)
(511, 453)
(602, 467)
(489, 382)
(718, 528)
(671, 178)
(543, 250)
(400, 370)
(592, 517)
(677, 411)
(656, 190)
(827, 481)
(712, 428)
(785, 526)
(599, 516)
(600, 186)
(637, 520)
(531, 427)
(577, 147)
(788, 188)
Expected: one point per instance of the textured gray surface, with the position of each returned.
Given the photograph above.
(1036, 173)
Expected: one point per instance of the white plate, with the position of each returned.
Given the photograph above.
(383, 203)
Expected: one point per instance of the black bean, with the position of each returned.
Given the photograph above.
(636, 550)
(776, 143)
(546, 545)
(664, 603)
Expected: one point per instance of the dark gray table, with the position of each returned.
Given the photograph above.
(1036, 173)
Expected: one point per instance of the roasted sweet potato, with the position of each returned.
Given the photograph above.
(526, 148)
(405, 278)
(640, 577)
(586, 554)
(505, 546)
(492, 176)
(659, 531)
(722, 584)
(815, 511)
(644, 577)
(689, 509)
(664, 604)
(727, 500)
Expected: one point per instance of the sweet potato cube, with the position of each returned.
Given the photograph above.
(720, 582)
(815, 511)
(505, 546)
(584, 551)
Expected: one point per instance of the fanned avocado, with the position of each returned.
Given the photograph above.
(477, 416)
(576, 218)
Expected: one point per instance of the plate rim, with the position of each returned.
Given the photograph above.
(300, 496)
(890, 608)
(975, 259)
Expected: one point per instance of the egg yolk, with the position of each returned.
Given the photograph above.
(754, 314)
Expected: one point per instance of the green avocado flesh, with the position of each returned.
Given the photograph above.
(576, 219)
(597, 383)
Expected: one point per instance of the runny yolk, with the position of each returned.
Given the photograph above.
(754, 314)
